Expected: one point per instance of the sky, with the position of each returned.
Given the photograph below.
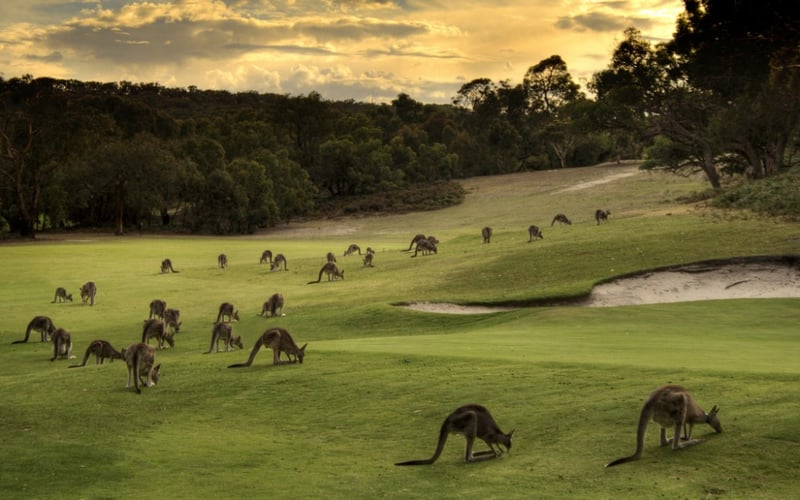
(365, 50)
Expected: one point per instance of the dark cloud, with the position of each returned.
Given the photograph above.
(358, 29)
(51, 57)
(601, 22)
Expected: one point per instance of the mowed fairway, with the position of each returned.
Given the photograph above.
(379, 379)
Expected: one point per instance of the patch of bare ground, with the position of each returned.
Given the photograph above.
(739, 278)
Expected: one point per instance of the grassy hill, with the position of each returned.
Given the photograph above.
(378, 379)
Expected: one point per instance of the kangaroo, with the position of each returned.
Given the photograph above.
(273, 305)
(157, 308)
(42, 324)
(222, 261)
(330, 257)
(101, 349)
(352, 249)
(155, 328)
(280, 259)
(534, 232)
(329, 270)
(671, 406)
(166, 266)
(433, 240)
(224, 331)
(172, 318)
(266, 257)
(425, 247)
(279, 340)
(473, 421)
(88, 291)
(487, 234)
(561, 218)
(601, 215)
(140, 359)
(62, 345)
(62, 295)
(368, 258)
(227, 309)
(369, 250)
(416, 239)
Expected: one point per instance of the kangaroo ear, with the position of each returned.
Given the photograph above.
(158, 367)
(511, 433)
(304, 347)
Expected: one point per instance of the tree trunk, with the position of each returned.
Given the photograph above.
(119, 212)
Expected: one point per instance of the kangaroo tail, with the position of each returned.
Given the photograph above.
(253, 353)
(644, 418)
(20, 341)
(443, 432)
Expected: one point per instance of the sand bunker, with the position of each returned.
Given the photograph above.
(758, 277)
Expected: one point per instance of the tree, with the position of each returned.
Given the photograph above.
(549, 86)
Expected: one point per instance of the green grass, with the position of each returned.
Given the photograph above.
(378, 380)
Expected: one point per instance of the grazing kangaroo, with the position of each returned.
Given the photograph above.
(62, 295)
(534, 233)
(172, 318)
(331, 271)
(101, 349)
(227, 309)
(224, 332)
(155, 328)
(368, 258)
(487, 234)
(561, 218)
(601, 215)
(157, 308)
(140, 359)
(42, 324)
(62, 345)
(416, 239)
(279, 340)
(88, 291)
(671, 406)
(280, 259)
(352, 249)
(266, 257)
(330, 257)
(166, 266)
(473, 421)
(425, 247)
(273, 305)
(222, 261)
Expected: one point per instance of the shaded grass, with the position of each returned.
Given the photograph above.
(378, 380)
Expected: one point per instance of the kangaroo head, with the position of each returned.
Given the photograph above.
(301, 353)
(236, 315)
(506, 440)
(154, 374)
(713, 420)
(237, 341)
(170, 340)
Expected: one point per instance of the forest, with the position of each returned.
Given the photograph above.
(722, 98)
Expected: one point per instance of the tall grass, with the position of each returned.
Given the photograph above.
(378, 379)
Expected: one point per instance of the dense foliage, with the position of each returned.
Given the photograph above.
(722, 97)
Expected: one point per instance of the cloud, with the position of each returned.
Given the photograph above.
(601, 22)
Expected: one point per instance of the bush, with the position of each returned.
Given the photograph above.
(777, 195)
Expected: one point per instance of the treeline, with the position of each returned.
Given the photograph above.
(721, 97)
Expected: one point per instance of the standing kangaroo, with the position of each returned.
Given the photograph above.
(61, 295)
(562, 219)
(62, 345)
(279, 340)
(222, 261)
(416, 239)
(101, 349)
(42, 324)
(601, 215)
(157, 308)
(140, 359)
(227, 309)
(329, 270)
(155, 328)
(166, 266)
(224, 332)
(487, 234)
(473, 421)
(671, 406)
(88, 291)
(266, 257)
(425, 247)
(368, 258)
(280, 259)
(534, 232)
(273, 305)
